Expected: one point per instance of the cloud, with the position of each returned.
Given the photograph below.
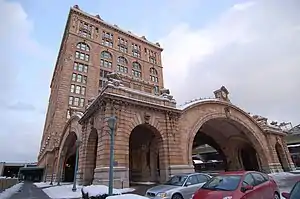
(253, 49)
(21, 127)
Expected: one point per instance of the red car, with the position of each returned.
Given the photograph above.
(239, 185)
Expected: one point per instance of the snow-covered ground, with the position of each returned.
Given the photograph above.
(6, 194)
(47, 184)
(65, 191)
(127, 196)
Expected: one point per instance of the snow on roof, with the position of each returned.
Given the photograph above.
(197, 161)
(195, 101)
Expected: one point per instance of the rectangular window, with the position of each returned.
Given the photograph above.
(87, 57)
(74, 77)
(76, 101)
(81, 104)
(84, 79)
(80, 67)
(79, 78)
(75, 66)
(72, 88)
(85, 68)
(77, 55)
(81, 56)
(71, 100)
(77, 91)
(82, 90)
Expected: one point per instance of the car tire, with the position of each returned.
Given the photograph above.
(177, 196)
(276, 196)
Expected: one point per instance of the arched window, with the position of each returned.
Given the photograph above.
(136, 69)
(153, 75)
(106, 59)
(122, 60)
(83, 46)
(106, 55)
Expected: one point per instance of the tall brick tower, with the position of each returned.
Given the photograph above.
(90, 49)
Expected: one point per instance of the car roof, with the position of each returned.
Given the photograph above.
(234, 172)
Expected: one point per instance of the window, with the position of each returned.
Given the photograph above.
(71, 100)
(122, 69)
(192, 180)
(136, 50)
(123, 49)
(82, 56)
(77, 91)
(85, 34)
(104, 73)
(106, 55)
(122, 41)
(81, 104)
(68, 114)
(79, 78)
(248, 180)
(156, 90)
(76, 101)
(202, 178)
(80, 67)
(259, 179)
(295, 192)
(72, 88)
(153, 75)
(107, 35)
(82, 90)
(136, 69)
(105, 63)
(122, 60)
(226, 183)
(83, 46)
(107, 43)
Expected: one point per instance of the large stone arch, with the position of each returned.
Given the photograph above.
(71, 127)
(197, 114)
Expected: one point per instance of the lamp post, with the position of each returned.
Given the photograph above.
(76, 164)
(111, 124)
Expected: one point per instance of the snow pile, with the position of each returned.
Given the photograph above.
(127, 196)
(281, 174)
(96, 190)
(7, 193)
(65, 191)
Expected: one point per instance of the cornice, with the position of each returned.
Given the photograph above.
(110, 26)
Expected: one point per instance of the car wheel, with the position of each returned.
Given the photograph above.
(276, 196)
(177, 196)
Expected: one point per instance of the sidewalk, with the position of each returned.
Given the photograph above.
(29, 191)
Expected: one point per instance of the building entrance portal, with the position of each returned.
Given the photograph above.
(249, 158)
(144, 160)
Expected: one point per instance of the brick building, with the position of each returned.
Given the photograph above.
(101, 71)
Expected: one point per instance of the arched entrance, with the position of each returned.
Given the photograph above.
(68, 166)
(281, 156)
(145, 146)
(235, 145)
(91, 157)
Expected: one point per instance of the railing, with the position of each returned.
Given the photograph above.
(6, 183)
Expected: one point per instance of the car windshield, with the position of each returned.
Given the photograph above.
(177, 180)
(224, 183)
(295, 193)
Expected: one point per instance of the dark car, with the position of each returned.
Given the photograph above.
(239, 185)
(295, 192)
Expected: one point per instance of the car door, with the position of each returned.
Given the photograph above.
(262, 186)
(250, 194)
(202, 179)
(191, 186)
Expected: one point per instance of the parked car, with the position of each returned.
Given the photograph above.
(295, 192)
(181, 186)
(239, 185)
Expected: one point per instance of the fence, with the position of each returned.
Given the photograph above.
(6, 183)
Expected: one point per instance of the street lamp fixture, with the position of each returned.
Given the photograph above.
(77, 143)
(111, 124)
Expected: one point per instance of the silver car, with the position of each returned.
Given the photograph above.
(180, 186)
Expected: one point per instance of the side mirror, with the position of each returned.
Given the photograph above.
(285, 195)
(246, 188)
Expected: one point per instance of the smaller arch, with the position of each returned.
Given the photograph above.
(83, 46)
(106, 55)
(122, 60)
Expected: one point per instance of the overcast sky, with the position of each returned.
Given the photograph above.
(251, 47)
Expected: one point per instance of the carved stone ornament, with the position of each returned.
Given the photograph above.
(227, 111)
(146, 118)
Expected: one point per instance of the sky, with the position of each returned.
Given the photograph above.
(251, 47)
